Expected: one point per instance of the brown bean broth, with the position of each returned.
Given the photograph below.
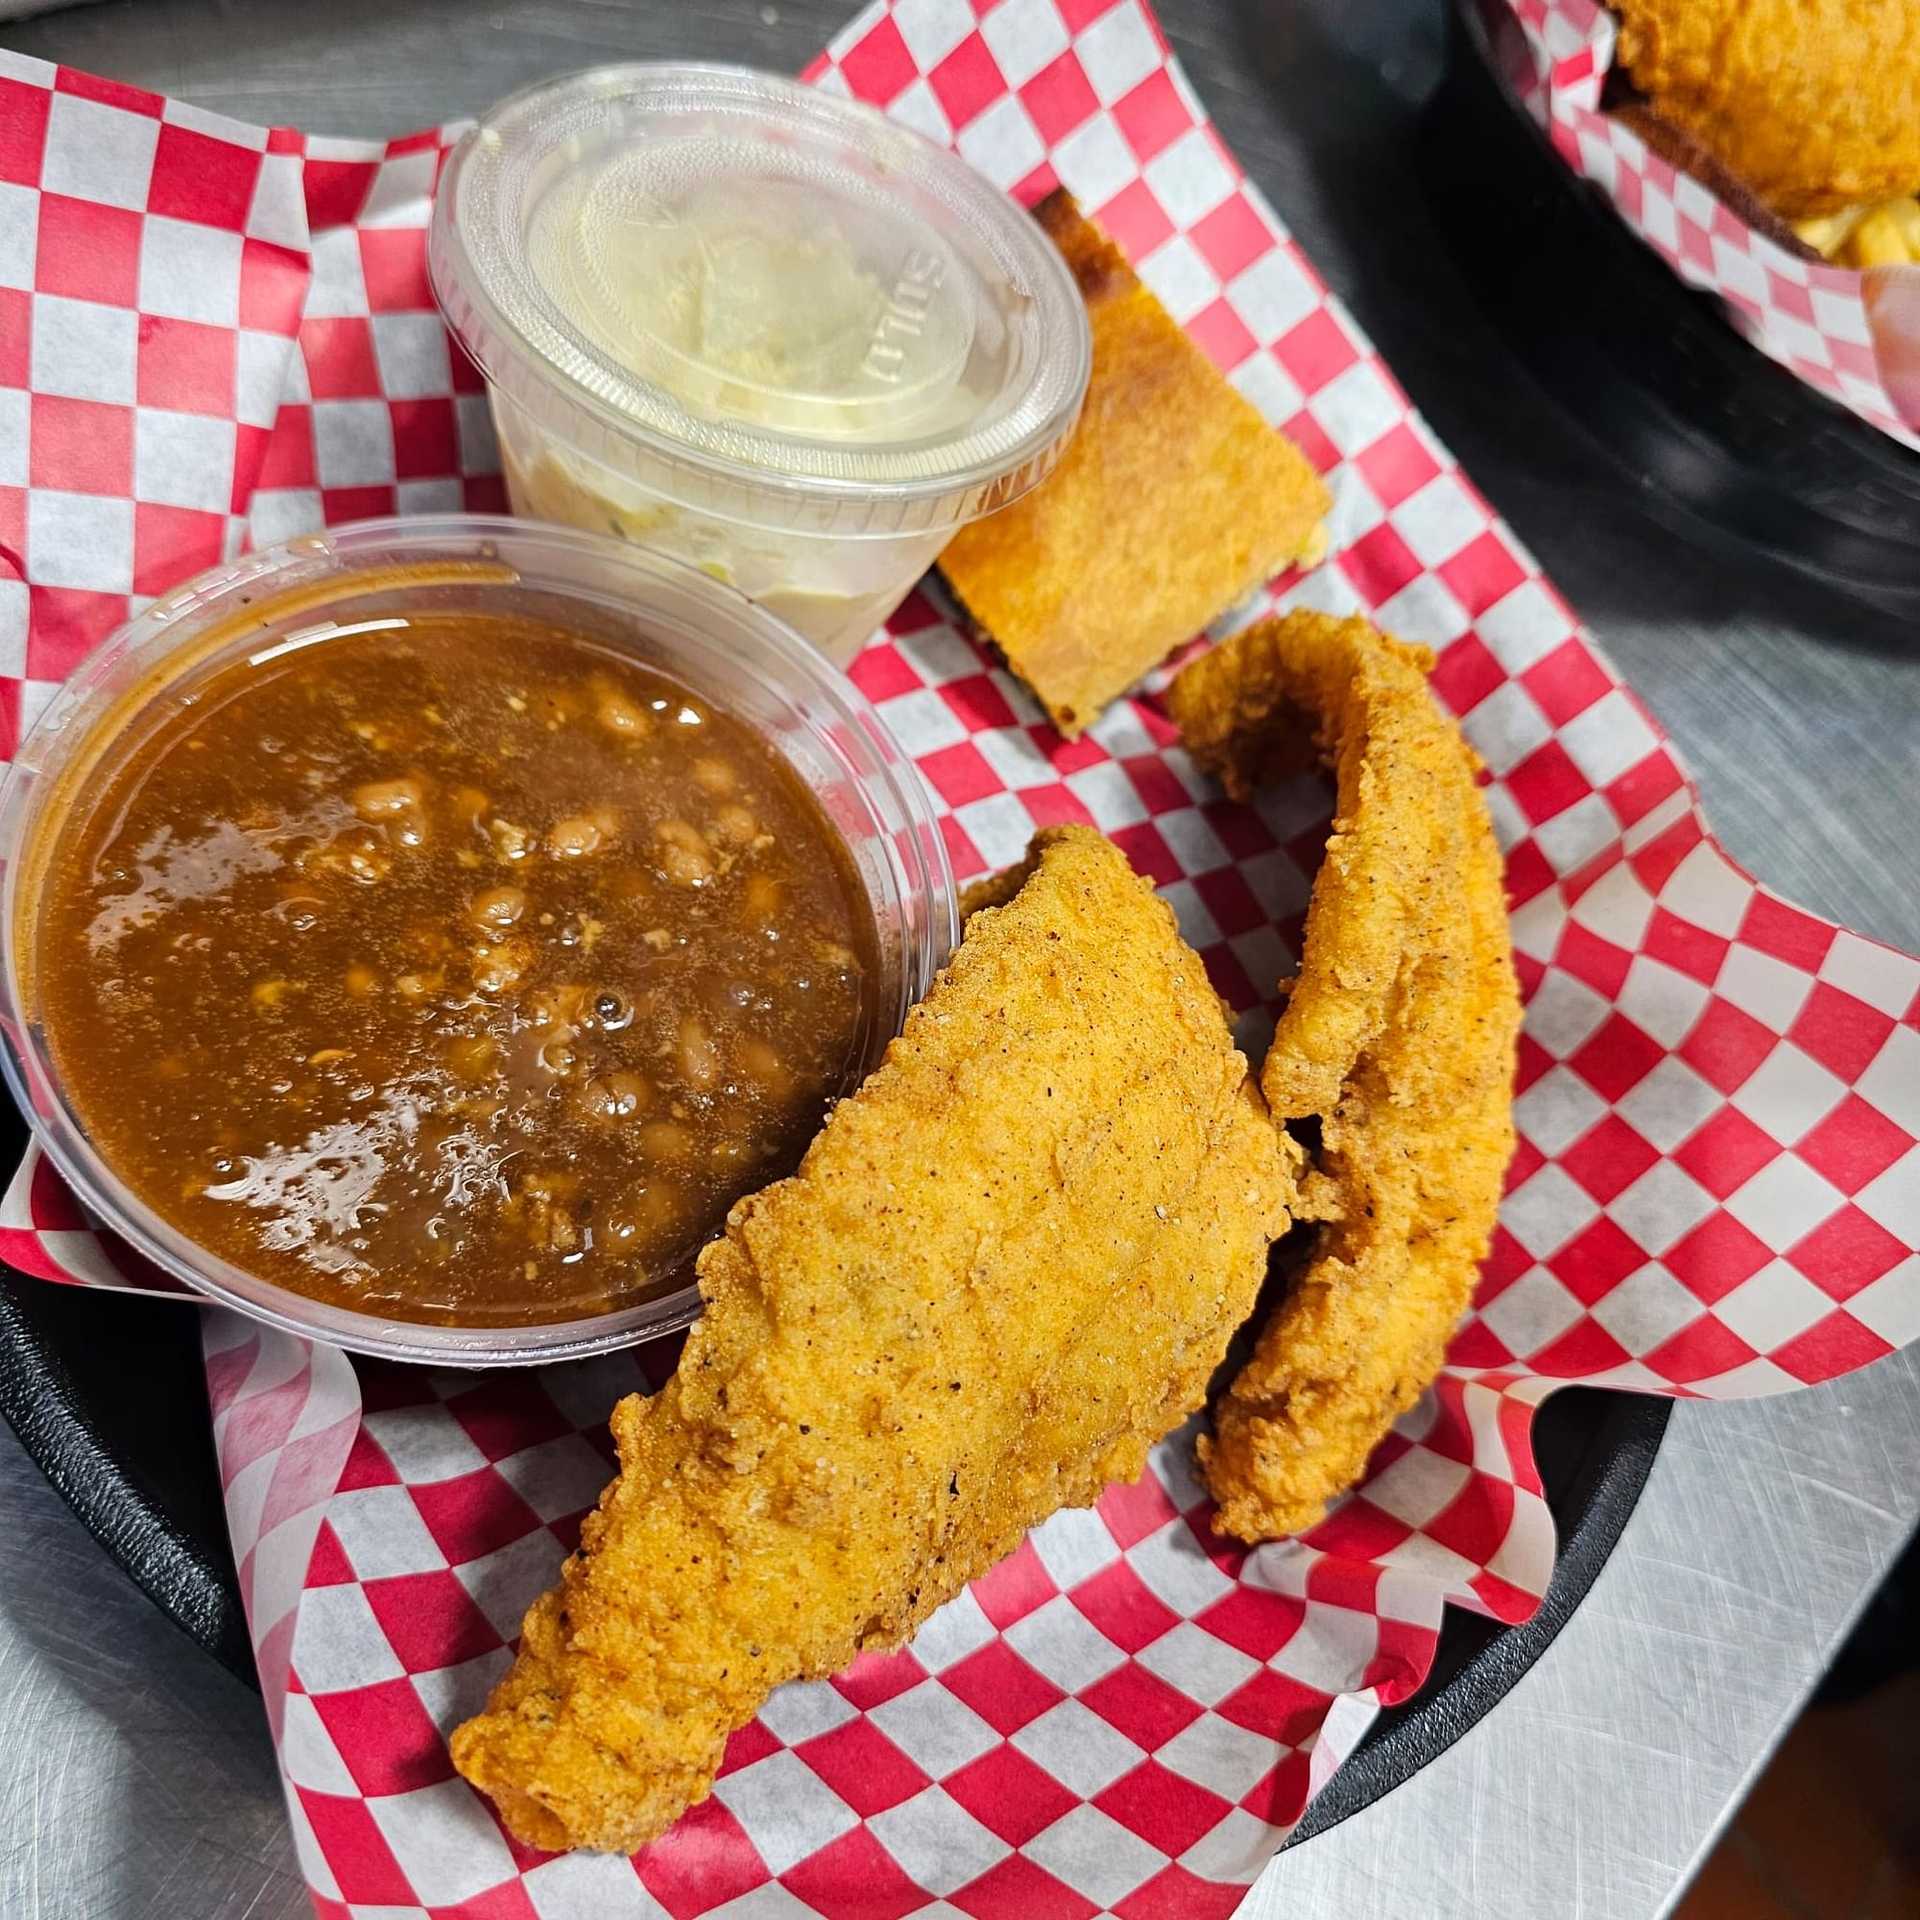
(464, 973)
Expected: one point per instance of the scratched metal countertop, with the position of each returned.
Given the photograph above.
(136, 1780)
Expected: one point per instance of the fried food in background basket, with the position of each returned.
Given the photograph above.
(1173, 501)
(1882, 235)
(1398, 1038)
(1006, 1267)
(1806, 109)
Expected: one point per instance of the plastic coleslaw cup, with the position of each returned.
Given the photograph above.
(757, 327)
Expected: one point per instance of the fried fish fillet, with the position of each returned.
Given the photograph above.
(1264, 706)
(1398, 1036)
(1174, 499)
(1812, 105)
(1006, 1267)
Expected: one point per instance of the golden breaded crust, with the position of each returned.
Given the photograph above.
(1398, 1034)
(1260, 707)
(1416, 1151)
(1006, 1267)
(1811, 104)
(996, 889)
(1173, 500)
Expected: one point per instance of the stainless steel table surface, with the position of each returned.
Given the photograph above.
(136, 1782)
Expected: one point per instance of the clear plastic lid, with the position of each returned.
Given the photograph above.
(806, 315)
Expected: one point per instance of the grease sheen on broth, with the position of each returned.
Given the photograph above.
(462, 972)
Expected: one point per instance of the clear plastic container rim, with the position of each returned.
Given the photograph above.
(531, 352)
(917, 865)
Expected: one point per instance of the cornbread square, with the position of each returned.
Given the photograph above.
(1174, 499)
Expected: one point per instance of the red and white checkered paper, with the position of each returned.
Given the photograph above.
(1717, 1191)
(1852, 336)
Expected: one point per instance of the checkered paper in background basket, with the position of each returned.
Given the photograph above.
(1852, 336)
(210, 334)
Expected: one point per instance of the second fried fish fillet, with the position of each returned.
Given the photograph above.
(1398, 1037)
(1269, 702)
(1005, 1268)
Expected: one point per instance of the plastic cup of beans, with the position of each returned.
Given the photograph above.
(419, 936)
